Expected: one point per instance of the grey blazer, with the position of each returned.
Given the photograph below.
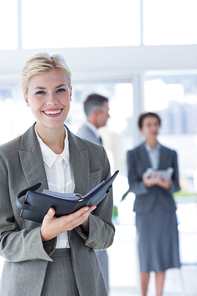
(21, 166)
(137, 163)
(86, 133)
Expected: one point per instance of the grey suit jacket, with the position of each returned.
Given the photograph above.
(21, 166)
(137, 163)
(86, 133)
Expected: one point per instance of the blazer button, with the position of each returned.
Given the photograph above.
(72, 240)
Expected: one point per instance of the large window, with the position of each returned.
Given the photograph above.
(8, 24)
(169, 22)
(66, 24)
(77, 23)
(15, 117)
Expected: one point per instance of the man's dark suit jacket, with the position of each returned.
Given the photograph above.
(146, 198)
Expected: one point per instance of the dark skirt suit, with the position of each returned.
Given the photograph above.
(29, 263)
(155, 208)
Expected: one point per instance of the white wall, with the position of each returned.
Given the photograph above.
(110, 62)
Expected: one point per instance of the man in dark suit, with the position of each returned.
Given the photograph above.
(96, 109)
(97, 113)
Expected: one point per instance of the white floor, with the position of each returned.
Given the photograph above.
(181, 282)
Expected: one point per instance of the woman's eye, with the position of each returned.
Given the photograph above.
(61, 90)
(40, 92)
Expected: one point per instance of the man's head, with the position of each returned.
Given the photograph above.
(96, 109)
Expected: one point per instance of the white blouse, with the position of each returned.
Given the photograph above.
(59, 177)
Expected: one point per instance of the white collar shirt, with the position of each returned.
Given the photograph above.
(59, 177)
(154, 155)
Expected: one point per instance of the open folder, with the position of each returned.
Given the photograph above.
(36, 204)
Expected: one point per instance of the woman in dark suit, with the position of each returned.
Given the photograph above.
(57, 256)
(156, 221)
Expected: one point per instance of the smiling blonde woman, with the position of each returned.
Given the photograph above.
(57, 256)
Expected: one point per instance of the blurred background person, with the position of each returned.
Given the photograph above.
(96, 109)
(156, 221)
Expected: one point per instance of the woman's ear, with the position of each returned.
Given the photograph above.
(26, 100)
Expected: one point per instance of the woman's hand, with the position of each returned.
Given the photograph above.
(149, 182)
(52, 226)
(157, 180)
(164, 183)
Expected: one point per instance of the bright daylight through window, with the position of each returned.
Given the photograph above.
(169, 22)
(103, 23)
(8, 25)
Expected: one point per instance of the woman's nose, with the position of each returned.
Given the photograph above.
(51, 99)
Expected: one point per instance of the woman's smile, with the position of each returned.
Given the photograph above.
(53, 112)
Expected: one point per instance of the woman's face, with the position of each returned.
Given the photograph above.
(49, 98)
(150, 127)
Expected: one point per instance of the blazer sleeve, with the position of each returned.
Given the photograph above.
(101, 228)
(175, 176)
(19, 240)
(136, 184)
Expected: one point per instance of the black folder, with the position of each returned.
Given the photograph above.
(36, 204)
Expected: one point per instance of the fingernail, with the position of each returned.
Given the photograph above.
(86, 209)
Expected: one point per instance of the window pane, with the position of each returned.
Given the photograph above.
(76, 23)
(174, 98)
(15, 117)
(8, 24)
(170, 22)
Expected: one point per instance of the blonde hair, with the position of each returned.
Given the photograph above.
(42, 62)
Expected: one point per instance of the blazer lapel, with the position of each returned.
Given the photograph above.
(31, 160)
(144, 157)
(80, 164)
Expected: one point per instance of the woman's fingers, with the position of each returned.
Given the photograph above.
(82, 211)
(79, 212)
(50, 213)
(79, 217)
(52, 226)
